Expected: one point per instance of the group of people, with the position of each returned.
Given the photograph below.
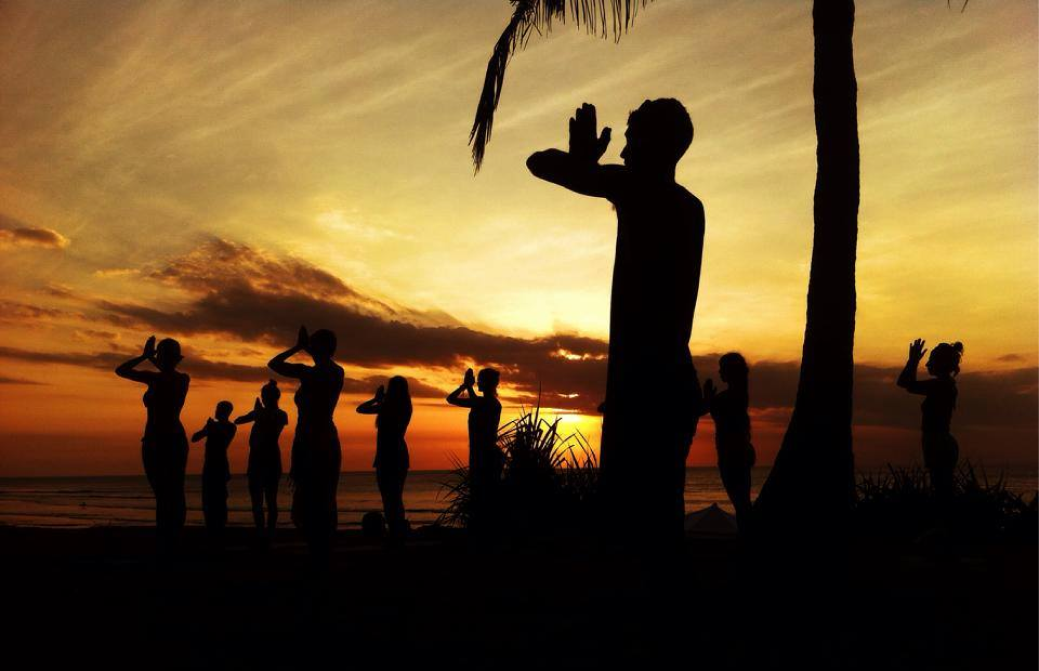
(316, 454)
(656, 278)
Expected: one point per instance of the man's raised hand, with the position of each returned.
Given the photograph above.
(585, 144)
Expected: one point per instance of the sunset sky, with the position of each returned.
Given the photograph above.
(221, 172)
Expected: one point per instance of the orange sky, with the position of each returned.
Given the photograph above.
(219, 172)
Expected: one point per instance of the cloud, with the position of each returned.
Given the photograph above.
(16, 310)
(14, 233)
(251, 296)
(32, 237)
(198, 367)
(107, 273)
(16, 380)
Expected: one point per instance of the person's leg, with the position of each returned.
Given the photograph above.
(208, 516)
(271, 489)
(393, 501)
(179, 504)
(383, 480)
(152, 471)
(401, 514)
(739, 492)
(222, 503)
(256, 493)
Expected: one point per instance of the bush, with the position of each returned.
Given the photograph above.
(900, 504)
(548, 480)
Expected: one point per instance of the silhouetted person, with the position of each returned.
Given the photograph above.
(164, 446)
(941, 451)
(656, 277)
(264, 472)
(316, 455)
(216, 471)
(485, 457)
(392, 410)
(736, 456)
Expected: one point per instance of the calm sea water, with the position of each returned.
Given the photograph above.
(127, 500)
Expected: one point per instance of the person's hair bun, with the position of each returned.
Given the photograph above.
(958, 346)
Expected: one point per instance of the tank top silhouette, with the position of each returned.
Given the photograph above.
(391, 450)
(164, 400)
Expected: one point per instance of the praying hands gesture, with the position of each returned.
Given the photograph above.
(585, 144)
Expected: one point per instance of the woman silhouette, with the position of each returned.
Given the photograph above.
(316, 455)
(265, 456)
(392, 410)
(941, 451)
(164, 446)
(736, 455)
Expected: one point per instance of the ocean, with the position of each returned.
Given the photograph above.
(127, 500)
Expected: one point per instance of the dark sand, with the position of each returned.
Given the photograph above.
(99, 597)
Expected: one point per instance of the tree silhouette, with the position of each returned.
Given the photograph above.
(814, 470)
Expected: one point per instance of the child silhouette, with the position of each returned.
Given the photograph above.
(216, 471)
(265, 468)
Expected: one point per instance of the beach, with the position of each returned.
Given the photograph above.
(77, 502)
(100, 596)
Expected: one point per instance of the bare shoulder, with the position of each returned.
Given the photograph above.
(690, 199)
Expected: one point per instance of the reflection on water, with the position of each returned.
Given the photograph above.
(127, 500)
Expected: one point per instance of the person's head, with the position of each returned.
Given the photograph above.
(397, 389)
(733, 369)
(224, 410)
(322, 344)
(487, 381)
(945, 359)
(397, 402)
(167, 354)
(659, 133)
(270, 394)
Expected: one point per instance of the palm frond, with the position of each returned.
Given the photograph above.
(603, 18)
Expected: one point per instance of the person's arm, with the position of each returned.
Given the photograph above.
(203, 432)
(455, 397)
(709, 394)
(907, 378)
(578, 169)
(251, 415)
(372, 405)
(127, 370)
(280, 365)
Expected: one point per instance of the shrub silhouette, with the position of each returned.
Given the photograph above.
(900, 505)
(549, 480)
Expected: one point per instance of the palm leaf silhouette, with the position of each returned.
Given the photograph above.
(603, 18)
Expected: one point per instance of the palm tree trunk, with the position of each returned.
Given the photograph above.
(813, 473)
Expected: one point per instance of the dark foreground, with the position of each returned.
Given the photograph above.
(98, 598)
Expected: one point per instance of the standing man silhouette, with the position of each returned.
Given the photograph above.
(652, 392)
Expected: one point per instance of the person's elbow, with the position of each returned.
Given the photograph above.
(540, 163)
